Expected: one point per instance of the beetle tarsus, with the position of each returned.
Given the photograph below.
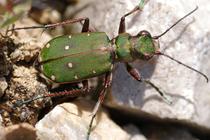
(21, 103)
(90, 126)
(167, 99)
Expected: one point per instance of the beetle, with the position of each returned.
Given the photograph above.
(77, 57)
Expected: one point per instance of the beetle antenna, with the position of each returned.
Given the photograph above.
(156, 37)
(179, 62)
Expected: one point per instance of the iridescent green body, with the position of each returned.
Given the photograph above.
(73, 58)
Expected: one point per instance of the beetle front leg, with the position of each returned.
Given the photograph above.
(136, 75)
(122, 27)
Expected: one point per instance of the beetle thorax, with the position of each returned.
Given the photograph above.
(142, 46)
(123, 48)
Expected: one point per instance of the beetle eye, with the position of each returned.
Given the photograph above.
(144, 33)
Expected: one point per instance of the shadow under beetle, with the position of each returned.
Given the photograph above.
(80, 56)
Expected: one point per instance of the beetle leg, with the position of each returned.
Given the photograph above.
(107, 83)
(73, 93)
(136, 75)
(122, 27)
(85, 27)
(89, 29)
(7, 32)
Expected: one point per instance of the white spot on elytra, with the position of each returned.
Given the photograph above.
(70, 36)
(88, 34)
(66, 47)
(75, 77)
(70, 65)
(41, 67)
(48, 45)
(53, 77)
(94, 71)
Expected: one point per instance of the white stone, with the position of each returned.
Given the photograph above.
(71, 120)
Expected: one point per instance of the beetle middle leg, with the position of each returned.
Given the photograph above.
(122, 27)
(136, 75)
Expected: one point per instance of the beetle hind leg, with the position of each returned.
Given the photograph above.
(69, 93)
(85, 27)
(107, 83)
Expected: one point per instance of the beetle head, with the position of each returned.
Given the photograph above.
(145, 46)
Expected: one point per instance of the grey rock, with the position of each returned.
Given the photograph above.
(188, 42)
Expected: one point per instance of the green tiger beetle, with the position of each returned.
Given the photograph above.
(77, 57)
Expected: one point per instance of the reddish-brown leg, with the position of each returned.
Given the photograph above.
(70, 93)
(122, 27)
(85, 27)
(107, 83)
(136, 75)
